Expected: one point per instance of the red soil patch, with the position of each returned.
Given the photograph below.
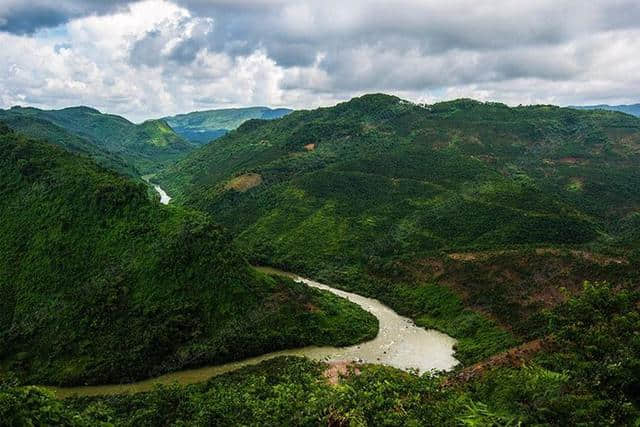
(514, 357)
(244, 182)
(571, 161)
(588, 256)
(339, 369)
(311, 308)
(529, 279)
(464, 256)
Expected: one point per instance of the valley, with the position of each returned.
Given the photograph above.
(319, 213)
(494, 245)
(399, 343)
(201, 127)
(138, 289)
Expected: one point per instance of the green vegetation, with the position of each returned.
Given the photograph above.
(477, 219)
(112, 141)
(590, 377)
(42, 129)
(100, 284)
(501, 206)
(201, 127)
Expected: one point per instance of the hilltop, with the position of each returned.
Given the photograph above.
(41, 129)
(100, 284)
(201, 127)
(145, 147)
(495, 206)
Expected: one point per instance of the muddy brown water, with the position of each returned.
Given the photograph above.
(399, 343)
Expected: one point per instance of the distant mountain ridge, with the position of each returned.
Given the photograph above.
(111, 140)
(203, 126)
(633, 109)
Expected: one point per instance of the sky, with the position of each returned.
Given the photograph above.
(152, 58)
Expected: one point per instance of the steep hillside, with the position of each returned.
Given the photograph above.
(42, 129)
(401, 178)
(147, 147)
(203, 126)
(100, 284)
(380, 195)
(633, 109)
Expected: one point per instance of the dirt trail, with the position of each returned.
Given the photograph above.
(340, 369)
(594, 257)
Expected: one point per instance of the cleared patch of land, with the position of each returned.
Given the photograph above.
(244, 182)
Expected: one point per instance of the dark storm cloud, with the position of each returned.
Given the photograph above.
(23, 21)
(28, 16)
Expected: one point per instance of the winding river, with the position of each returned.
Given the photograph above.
(399, 343)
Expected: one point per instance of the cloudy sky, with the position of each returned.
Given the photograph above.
(151, 58)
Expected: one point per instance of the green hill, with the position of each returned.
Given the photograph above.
(42, 129)
(503, 206)
(146, 147)
(203, 126)
(100, 284)
(378, 176)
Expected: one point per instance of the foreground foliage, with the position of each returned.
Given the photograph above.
(577, 383)
(100, 284)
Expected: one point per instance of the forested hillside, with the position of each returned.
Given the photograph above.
(477, 219)
(201, 127)
(587, 376)
(100, 284)
(500, 207)
(42, 129)
(145, 148)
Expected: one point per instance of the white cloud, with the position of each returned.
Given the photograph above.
(159, 57)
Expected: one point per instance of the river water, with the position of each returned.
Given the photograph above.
(164, 197)
(399, 343)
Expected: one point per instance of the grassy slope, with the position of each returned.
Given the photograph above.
(100, 284)
(146, 147)
(387, 189)
(203, 126)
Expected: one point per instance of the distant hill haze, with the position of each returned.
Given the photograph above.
(111, 140)
(633, 109)
(201, 127)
